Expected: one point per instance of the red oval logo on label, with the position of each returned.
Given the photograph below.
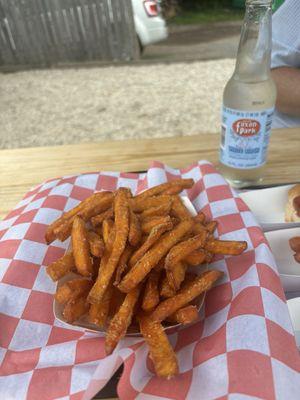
(246, 127)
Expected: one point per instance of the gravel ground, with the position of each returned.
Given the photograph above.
(54, 107)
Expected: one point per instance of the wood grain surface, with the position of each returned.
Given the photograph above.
(22, 169)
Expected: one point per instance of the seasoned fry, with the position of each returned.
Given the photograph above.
(200, 217)
(183, 249)
(173, 190)
(107, 227)
(185, 315)
(120, 322)
(192, 290)
(75, 309)
(148, 225)
(197, 257)
(159, 211)
(135, 232)
(179, 210)
(81, 248)
(139, 205)
(151, 293)
(121, 210)
(96, 244)
(123, 264)
(61, 267)
(161, 352)
(154, 255)
(153, 237)
(211, 226)
(198, 228)
(183, 183)
(166, 289)
(226, 247)
(176, 275)
(93, 206)
(98, 313)
(98, 219)
(72, 289)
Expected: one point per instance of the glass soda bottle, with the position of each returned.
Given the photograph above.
(248, 100)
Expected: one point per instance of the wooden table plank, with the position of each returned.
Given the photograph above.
(22, 169)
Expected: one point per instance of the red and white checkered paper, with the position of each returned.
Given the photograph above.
(242, 348)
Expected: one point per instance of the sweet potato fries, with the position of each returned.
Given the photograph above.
(135, 258)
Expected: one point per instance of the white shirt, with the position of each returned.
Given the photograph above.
(286, 49)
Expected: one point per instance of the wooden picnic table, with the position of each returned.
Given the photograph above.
(22, 169)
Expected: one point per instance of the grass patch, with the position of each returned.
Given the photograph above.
(202, 16)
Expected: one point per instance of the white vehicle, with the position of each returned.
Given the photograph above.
(150, 26)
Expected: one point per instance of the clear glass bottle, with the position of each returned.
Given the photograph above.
(248, 100)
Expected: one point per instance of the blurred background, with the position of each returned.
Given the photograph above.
(76, 71)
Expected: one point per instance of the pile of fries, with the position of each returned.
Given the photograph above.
(136, 257)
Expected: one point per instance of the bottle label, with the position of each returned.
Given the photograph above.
(245, 137)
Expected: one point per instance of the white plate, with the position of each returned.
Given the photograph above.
(83, 322)
(268, 206)
(288, 268)
(294, 309)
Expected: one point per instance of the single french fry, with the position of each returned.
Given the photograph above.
(61, 267)
(173, 190)
(211, 226)
(188, 293)
(120, 322)
(159, 211)
(107, 227)
(153, 256)
(151, 293)
(98, 219)
(153, 237)
(72, 289)
(121, 210)
(197, 257)
(200, 217)
(98, 313)
(139, 205)
(166, 289)
(135, 232)
(81, 248)
(161, 352)
(184, 183)
(176, 274)
(179, 210)
(123, 264)
(185, 315)
(150, 223)
(75, 309)
(226, 247)
(92, 206)
(96, 244)
(183, 249)
(96, 266)
(198, 228)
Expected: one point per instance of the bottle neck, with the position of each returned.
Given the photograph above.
(254, 53)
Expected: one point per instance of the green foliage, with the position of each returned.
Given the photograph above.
(201, 4)
(206, 16)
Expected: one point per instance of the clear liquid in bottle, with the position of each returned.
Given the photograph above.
(248, 101)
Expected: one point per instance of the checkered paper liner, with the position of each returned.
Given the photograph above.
(242, 348)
